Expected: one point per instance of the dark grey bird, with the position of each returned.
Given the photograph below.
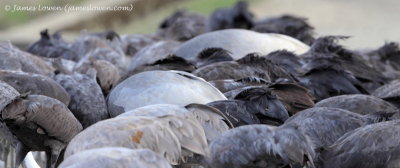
(13, 58)
(371, 146)
(259, 146)
(87, 101)
(35, 84)
(389, 92)
(102, 46)
(116, 157)
(328, 47)
(325, 77)
(253, 105)
(41, 123)
(182, 25)
(251, 65)
(294, 97)
(51, 46)
(324, 125)
(288, 60)
(359, 103)
(292, 26)
(107, 74)
(10, 146)
(236, 17)
(385, 59)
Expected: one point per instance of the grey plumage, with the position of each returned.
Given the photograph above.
(35, 84)
(160, 87)
(389, 92)
(51, 46)
(325, 77)
(250, 65)
(253, 105)
(175, 138)
(359, 103)
(182, 25)
(87, 100)
(236, 17)
(213, 121)
(107, 74)
(152, 53)
(239, 42)
(261, 146)
(42, 124)
(371, 146)
(324, 125)
(17, 60)
(116, 157)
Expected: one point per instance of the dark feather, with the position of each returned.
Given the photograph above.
(293, 26)
(236, 17)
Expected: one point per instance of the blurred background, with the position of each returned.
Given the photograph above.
(369, 22)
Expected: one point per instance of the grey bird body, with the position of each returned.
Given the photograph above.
(116, 157)
(87, 101)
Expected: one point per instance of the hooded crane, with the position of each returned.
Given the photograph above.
(35, 84)
(293, 96)
(250, 65)
(361, 104)
(384, 59)
(327, 47)
(87, 101)
(107, 74)
(371, 146)
(14, 59)
(160, 87)
(324, 125)
(173, 137)
(116, 157)
(213, 121)
(41, 123)
(389, 92)
(182, 26)
(261, 146)
(236, 17)
(288, 60)
(51, 46)
(253, 105)
(325, 78)
(101, 46)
